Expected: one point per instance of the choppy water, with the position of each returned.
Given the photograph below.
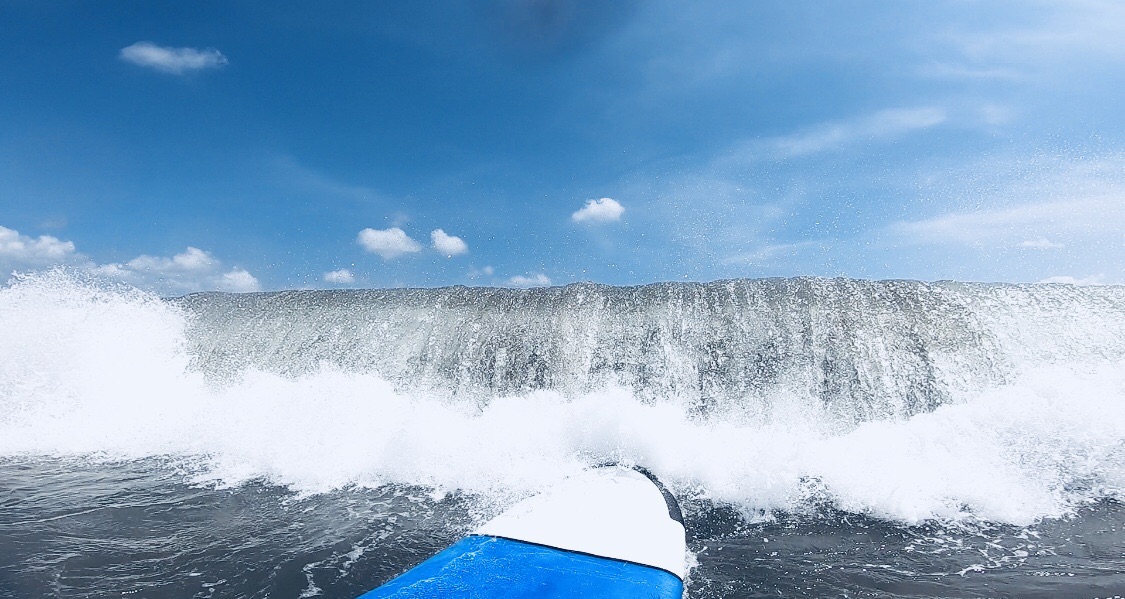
(826, 437)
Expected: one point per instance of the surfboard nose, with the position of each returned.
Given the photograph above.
(610, 532)
(613, 512)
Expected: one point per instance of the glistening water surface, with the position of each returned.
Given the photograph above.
(826, 437)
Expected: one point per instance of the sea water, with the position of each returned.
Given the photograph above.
(826, 437)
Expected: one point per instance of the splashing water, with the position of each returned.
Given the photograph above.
(909, 403)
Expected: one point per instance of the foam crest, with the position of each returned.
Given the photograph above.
(106, 373)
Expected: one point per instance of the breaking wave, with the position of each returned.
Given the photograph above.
(902, 400)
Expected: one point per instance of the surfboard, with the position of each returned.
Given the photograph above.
(611, 532)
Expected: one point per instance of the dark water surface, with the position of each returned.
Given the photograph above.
(69, 528)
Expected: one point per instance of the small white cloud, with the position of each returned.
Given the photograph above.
(1041, 243)
(448, 245)
(238, 281)
(22, 249)
(172, 60)
(1098, 279)
(388, 243)
(599, 211)
(530, 280)
(342, 276)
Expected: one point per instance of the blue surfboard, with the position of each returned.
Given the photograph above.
(609, 532)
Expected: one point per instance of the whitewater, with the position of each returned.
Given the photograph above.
(826, 437)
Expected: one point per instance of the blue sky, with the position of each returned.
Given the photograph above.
(230, 145)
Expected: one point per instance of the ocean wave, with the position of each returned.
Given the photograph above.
(110, 373)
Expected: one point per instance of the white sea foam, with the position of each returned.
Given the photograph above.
(103, 372)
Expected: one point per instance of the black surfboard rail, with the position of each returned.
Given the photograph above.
(669, 499)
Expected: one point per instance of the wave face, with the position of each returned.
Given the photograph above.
(900, 400)
(862, 350)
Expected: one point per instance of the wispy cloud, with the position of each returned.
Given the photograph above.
(1049, 38)
(448, 245)
(881, 126)
(603, 210)
(771, 254)
(696, 218)
(953, 70)
(1060, 219)
(1040, 202)
(1081, 26)
(388, 243)
(341, 276)
(293, 174)
(176, 61)
(1005, 218)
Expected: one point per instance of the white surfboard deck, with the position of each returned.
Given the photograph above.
(611, 512)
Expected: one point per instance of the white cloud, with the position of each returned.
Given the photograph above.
(530, 280)
(882, 125)
(190, 260)
(773, 254)
(342, 276)
(191, 270)
(448, 245)
(599, 211)
(388, 243)
(17, 249)
(238, 281)
(1098, 279)
(172, 60)
(1041, 243)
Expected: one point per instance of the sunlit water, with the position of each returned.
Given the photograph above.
(825, 437)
